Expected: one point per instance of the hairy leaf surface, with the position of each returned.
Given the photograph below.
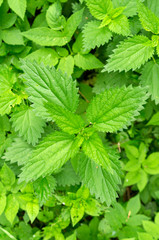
(114, 109)
(130, 54)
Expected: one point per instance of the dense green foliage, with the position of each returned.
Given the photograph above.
(79, 119)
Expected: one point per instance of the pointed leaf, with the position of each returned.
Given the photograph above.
(149, 78)
(7, 101)
(130, 54)
(49, 37)
(99, 8)
(18, 6)
(32, 209)
(87, 61)
(19, 152)
(149, 20)
(94, 36)
(66, 120)
(114, 109)
(102, 183)
(48, 85)
(44, 188)
(27, 124)
(12, 208)
(51, 154)
(94, 149)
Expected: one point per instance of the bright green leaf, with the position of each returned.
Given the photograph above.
(130, 54)
(12, 208)
(87, 61)
(114, 109)
(18, 6)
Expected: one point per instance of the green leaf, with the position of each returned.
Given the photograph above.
(50, 155)
(7, 19)
(7, 79)
(94, 149)
(120, 25)
(4, 124)
(2, 203)
(1, 1)
(32, 209)
(99, 8)
(130, 54)
(97, 178)
(110, 80)
(44, 188)
(7, 101)
(151, 164)
(27, 124)
(94, 36)
(7, 176)
(151, 228)
(12, 36)
(144, 236)
(114, 109)
(66, 120)
(132, 178)
(143, 180)
(133, 205)
(46, 55)
(87, 62)
(19, 152)
(149, 78)
(149, 20)
(49, 37)
(136, 220)
(48, 85)
(67, 176)
(66, 65)
(54, 18)
(18, 6)
(77, 212)
(130, 6)
(153, 6)
(154, 121)
(12, 208)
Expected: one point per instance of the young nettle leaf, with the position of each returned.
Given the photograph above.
(130, 6)
(67, 176)
(19, 152)
(27, 124)
(94, 149)
(44, 187)
(114, 109)
(99, 8)
(97, 178)
(130, 54)
(48, 85)
(50, 155)
(94, 36)
(49, 37)
(66, 120)
(149, 78)
(7, 176)
(149, 20)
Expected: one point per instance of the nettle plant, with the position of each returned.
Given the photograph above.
(73, 84)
